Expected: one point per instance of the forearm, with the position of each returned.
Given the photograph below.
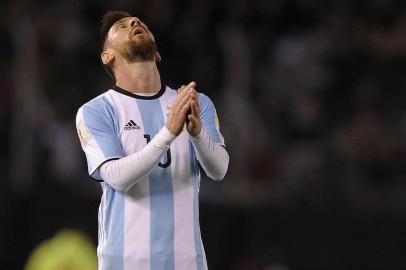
(213, 157)
(121, 174)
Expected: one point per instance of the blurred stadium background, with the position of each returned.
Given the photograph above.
(311, 98)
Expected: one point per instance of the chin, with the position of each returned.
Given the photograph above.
(140, 48)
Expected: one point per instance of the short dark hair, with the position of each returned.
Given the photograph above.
(107, 21)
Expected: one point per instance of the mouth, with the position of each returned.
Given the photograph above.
(137, 31)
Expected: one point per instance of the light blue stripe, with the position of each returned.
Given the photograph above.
(101, 120)
(162, 254)
(113, 114)
(208, 117)
(113, 253)
(213, 133)
(196, 185)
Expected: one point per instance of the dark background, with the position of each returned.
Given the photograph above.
(311, 100)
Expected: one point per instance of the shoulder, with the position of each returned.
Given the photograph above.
(205, 102)
(98, 106)
(203, 98)
(98, 102)
(169, 91)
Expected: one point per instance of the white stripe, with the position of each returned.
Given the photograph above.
(102, 236)
(136, 215)
(137, 201)
(185, 254)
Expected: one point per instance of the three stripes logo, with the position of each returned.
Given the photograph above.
(131, 125)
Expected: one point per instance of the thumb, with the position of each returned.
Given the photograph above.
(192, 119)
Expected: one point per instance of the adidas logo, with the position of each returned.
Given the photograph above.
(131, 125)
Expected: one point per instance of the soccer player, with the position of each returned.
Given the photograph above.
(143, 142)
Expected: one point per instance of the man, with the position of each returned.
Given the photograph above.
(142, 141)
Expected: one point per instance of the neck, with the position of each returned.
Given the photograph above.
(138, 77)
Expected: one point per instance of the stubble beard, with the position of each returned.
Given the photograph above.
(139, 49)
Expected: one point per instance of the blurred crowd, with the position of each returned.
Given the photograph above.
(310, 95)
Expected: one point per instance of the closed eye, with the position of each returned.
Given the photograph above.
(120, 26)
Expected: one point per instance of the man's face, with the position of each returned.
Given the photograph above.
(131, 38)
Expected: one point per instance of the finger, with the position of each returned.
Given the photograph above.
(195, 108)
(193, 119)
(193, 91)
(181, 93)
(180, 100)
(193, 94)
(187, 92)
(181, 88)
(190, 86)
(185, 108)
(184, 90)
(179, 104)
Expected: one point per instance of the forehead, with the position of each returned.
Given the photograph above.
(125, 20)
(122, 20)
(116, 31)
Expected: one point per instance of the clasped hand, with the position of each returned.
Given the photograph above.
(185, 110)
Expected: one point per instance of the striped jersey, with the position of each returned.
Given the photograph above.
(154, 225)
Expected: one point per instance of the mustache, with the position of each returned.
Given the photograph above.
(140, 49)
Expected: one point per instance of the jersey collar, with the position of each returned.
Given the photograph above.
(127, 93)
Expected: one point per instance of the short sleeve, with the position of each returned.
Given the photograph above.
(97, 131)
(209, 118)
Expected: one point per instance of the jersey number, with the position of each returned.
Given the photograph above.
(168, 154)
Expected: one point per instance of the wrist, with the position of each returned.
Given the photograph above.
(198, 136)
(168, 134)
(171, 130)
(196, 132)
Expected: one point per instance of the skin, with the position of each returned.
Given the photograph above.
(143, 76)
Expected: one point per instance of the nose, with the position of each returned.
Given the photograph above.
(134, 21)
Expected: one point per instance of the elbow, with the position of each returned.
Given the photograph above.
(124, 184)
(118, 186)
(218, 176)
(220, 173)
(111, 176)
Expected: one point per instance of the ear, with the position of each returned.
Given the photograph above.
(157, 57)
(107, 57)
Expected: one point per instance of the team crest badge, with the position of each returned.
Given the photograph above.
(84, 134)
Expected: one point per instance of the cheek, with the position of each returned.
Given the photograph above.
(117, 38)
